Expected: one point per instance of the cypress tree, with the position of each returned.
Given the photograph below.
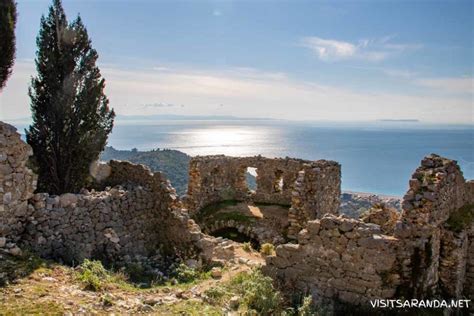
(71, 116)
(7, 39)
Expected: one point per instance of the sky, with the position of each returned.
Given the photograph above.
(296, 60)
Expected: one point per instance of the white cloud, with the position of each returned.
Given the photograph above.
(399, 73)
(449, 85)
(246, 92)
(216, 13)
(366, 49)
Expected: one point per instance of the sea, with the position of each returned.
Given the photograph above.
(377, 157)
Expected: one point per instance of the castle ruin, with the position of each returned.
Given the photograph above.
(425, 251)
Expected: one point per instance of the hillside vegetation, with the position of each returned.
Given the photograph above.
(174, 164)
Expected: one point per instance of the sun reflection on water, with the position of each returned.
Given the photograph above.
(232, 141)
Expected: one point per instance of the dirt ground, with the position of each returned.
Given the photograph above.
(45, 288)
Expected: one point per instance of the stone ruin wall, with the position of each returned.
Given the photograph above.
(311, 188)
(434, 255)
(337, 258)
(17, 184)
(415, 254)
(135, 219)
(138, 214)
(412, 254)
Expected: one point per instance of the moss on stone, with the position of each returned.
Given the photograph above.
(461, 218)
(235, 216)
(214, 208)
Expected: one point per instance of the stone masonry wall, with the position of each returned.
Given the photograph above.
(140, 218)
(437, 190)
(425, 252)
(311, 187)
(337, 258)
(316, 192)
(17, 184)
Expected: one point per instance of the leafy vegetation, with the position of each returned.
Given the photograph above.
(267, 249)
(185, 274)
(247, 246)
(255, 290)
(70, 111)
(174, 164)
(7, 39)
(461, 218)
(95, 277)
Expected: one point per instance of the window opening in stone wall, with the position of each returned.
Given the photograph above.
(278, 182)
(251, 178)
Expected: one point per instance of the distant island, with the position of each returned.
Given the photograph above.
(177, 117)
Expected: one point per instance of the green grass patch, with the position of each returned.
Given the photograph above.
(32, 308)
(18, 267)
(96, 278)
(189, 308)
(461, 218)
(258, 296)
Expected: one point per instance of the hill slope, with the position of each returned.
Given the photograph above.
(174, 164)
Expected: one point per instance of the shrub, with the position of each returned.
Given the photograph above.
(92, 274)
(257, 292)
(215, 295)
(185, 274)
(461, 218)
(305, 309)
(267, 249)
(247, 246)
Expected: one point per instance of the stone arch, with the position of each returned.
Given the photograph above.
(251, 231)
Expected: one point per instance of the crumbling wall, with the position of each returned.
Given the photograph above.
(17, 184)
(337, 258)
(316, 192)
(469, 277)
(311, 187)
(141, 218)
(426, 251)
(437, 190)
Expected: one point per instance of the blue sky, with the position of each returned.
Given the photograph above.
(302, 60)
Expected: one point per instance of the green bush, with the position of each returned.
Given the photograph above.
(257, 292)
(305, 309)
(185, 274)
(93, 274)
(216, 295)
(267, 249)
(247, 246)
(461, 218)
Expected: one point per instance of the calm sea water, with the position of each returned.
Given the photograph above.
(375, 157)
